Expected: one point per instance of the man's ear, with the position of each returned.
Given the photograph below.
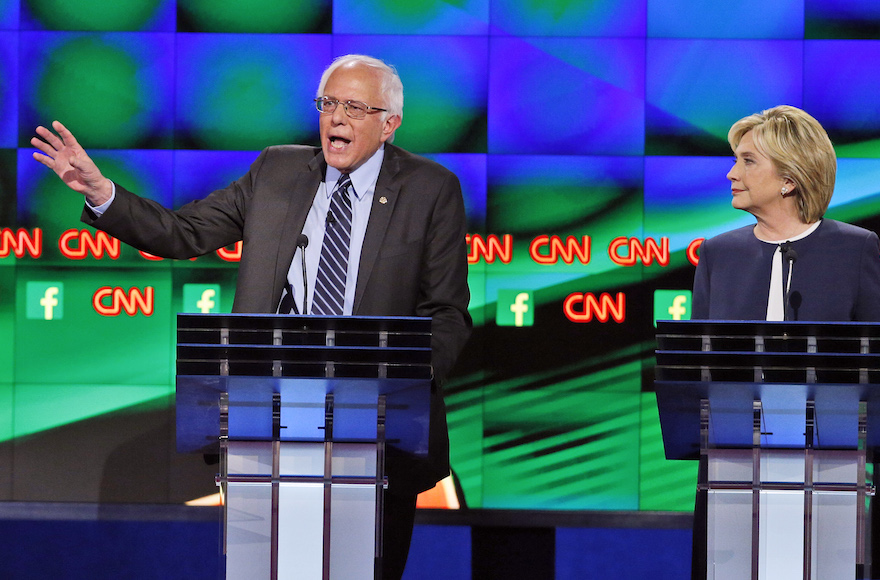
(391, 125)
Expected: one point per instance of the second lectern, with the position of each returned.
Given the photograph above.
(782, 417)
(301, 410)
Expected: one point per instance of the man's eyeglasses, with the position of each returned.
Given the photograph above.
(354, 109)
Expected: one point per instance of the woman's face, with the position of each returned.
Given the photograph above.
(754, 181)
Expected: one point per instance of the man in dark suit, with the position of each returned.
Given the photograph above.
(408, 253)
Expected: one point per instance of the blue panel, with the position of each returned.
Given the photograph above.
(471, 172)
(8, 89)
(250, 410)
(696, 89)
(245, 92)
(565, 18)
(9, 14)
(851, 67)
(439, 553)
(127, 105)
(622, 554)
(743, 19)
(89, 549)
(858, 181)
(197, 173)
(463, 17)
(567, 96)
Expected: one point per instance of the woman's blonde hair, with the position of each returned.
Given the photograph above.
(800, 150)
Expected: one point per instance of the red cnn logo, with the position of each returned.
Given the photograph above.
(119, 301)
(579, 307)
(490, 248)
(87, 244)
(637, 251)
(566, 251)
(19, 242)
(233, 255)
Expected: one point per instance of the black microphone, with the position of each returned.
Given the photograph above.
(330, 218)
(302, 242)
(790, 255)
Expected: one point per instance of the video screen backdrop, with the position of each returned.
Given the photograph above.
(590, 140)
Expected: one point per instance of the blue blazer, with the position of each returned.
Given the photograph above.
(836, 276)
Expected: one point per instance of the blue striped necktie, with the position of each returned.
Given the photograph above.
(333, 267)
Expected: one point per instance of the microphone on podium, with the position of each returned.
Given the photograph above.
(789, 255)
(302, 242)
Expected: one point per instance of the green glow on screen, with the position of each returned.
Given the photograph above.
(6, 398)
(40, 407)
(583, 462)
(854, 211)
(425, 10)
(543, 443)
(93, 14)
(664, 484)
(110, 116)
(563, 204)
(439, 128)
(7, 324)
(253, 112)
(869, 149)
(464, 413)
(266, 16)
(138, 350)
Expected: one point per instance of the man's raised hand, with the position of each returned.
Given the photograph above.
(63, 154)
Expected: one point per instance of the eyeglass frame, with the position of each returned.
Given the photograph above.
(345, 104)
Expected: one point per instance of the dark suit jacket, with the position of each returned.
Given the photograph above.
(836, 276)
(413, 262)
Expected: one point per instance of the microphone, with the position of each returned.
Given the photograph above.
(790, 255)
(302, 242)
(331, 219)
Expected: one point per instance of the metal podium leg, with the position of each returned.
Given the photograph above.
(328, 482)
(380, 487)
(756, 488)
(276, 482)
(863, 565)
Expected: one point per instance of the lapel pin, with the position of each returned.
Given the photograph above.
(383, 200)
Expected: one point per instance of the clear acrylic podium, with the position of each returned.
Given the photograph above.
(301, 410)
(782, 416)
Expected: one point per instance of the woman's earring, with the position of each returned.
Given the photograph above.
(784, 191)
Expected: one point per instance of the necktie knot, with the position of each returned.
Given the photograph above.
(343, 184)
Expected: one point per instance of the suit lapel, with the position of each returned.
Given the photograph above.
(300, 195)
(384, 200)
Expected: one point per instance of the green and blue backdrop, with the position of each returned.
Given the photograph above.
(590, 139)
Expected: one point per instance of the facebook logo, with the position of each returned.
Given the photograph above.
(201, 298)
(672, 305)
(515, 308)
(45, 300)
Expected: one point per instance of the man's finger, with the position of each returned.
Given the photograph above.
(66, 136)
(45, 160)
(43, 146)
(50, 137)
